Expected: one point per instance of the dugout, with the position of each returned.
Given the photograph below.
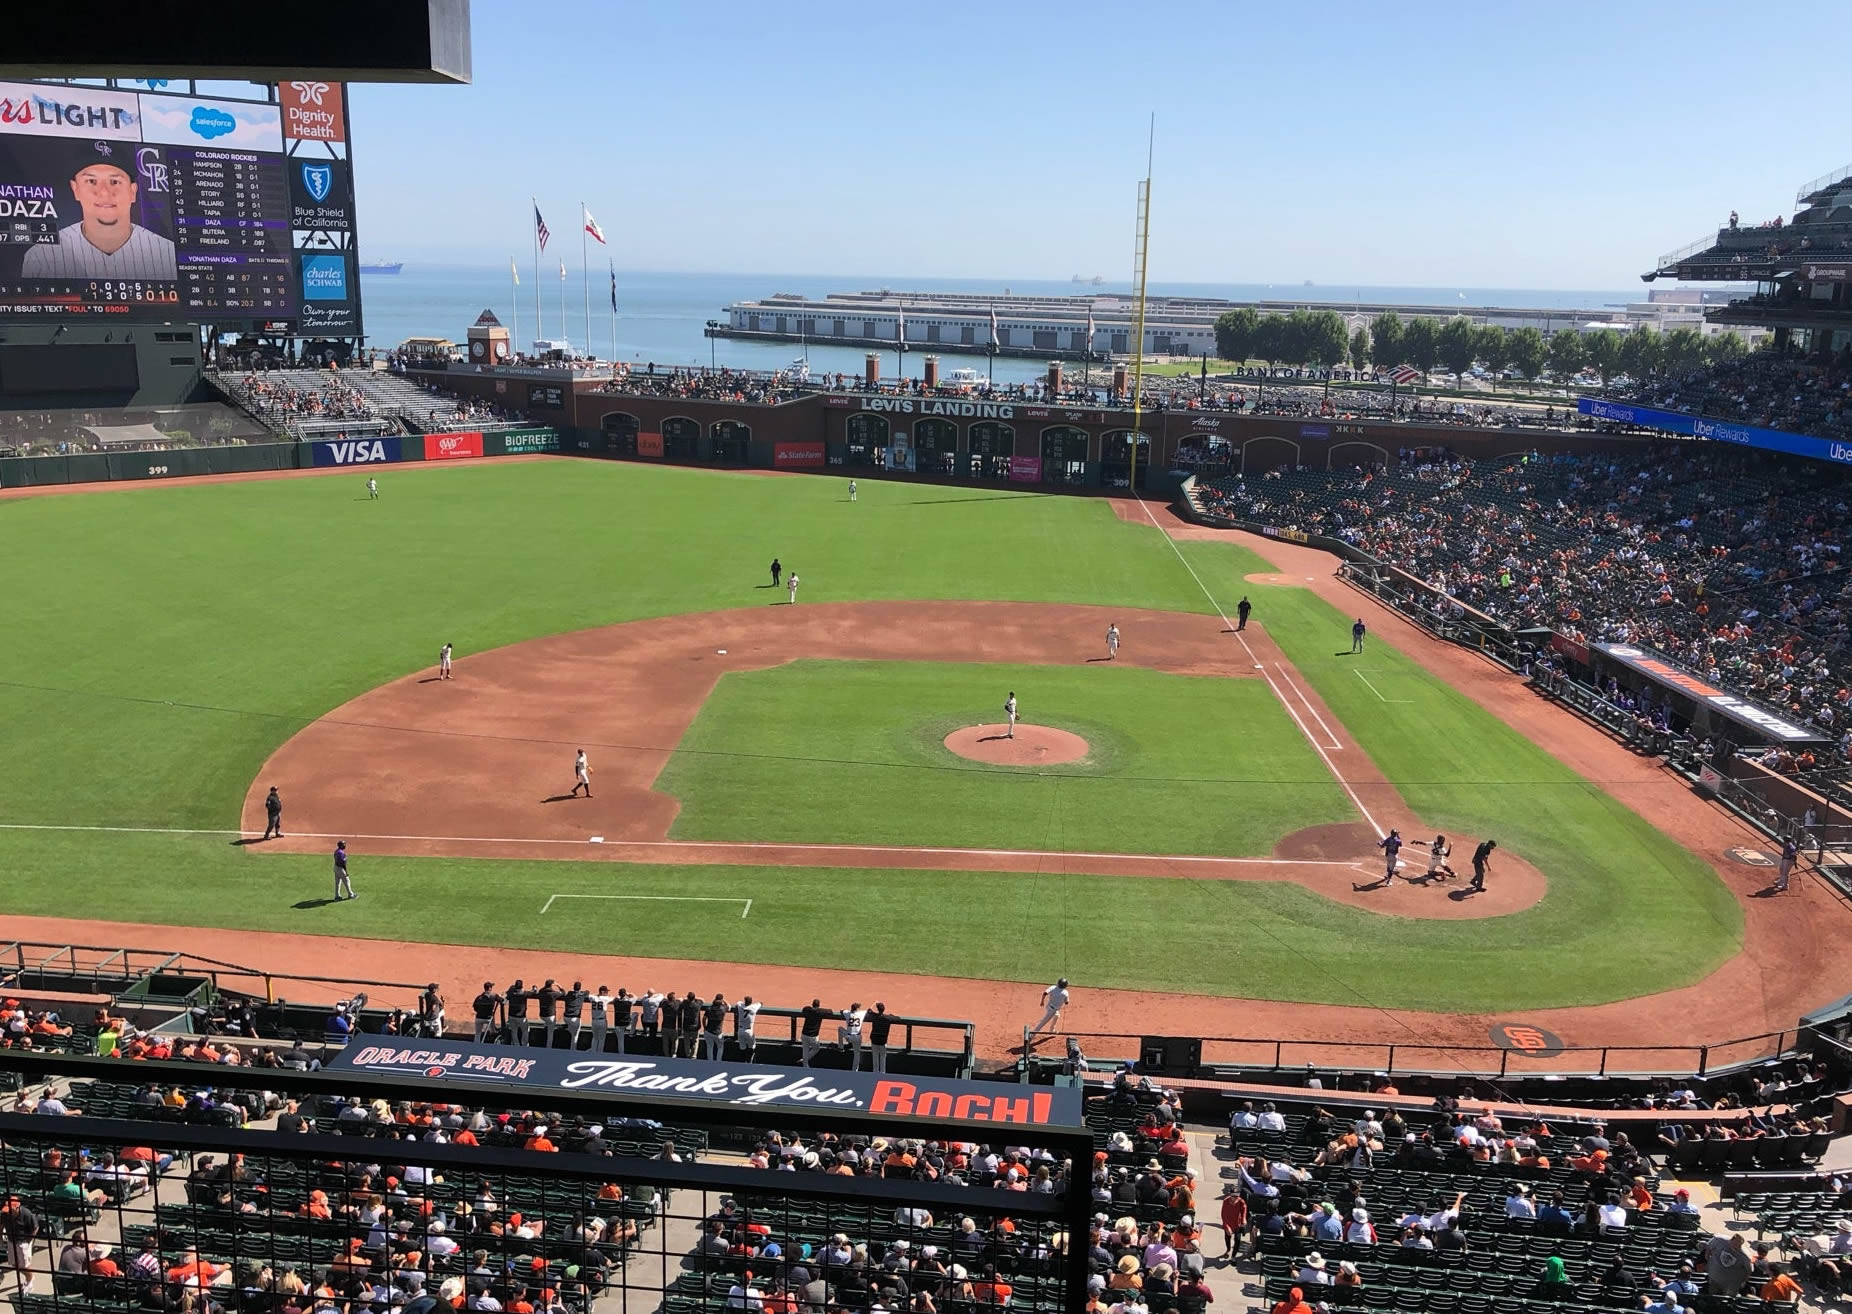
(660, 1206)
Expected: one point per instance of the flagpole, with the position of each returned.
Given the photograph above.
(613, 265)
(514, 299)
(539, 323)
(585, 276)
(562, 296)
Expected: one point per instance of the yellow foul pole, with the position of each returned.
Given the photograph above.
(1138, 313)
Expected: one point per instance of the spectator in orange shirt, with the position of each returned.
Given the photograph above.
(1293, 1304)
(1641, 1198)
(1782, 1287)
(991, 1289)
(204, 1271)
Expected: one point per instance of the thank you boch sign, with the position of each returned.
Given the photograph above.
(718, 1083)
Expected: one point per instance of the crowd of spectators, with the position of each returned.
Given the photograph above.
(1769, 390)
(752, 386)
(279, 401)
(1725, 560)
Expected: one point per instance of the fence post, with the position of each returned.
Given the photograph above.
(1604, 1062)
(1391, 1068)
(1704, 1059)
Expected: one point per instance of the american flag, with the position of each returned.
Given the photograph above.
(540, 227)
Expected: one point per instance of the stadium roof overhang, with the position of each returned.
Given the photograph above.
(341, 40)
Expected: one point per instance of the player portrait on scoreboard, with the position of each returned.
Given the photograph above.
(76, 210)
(112, 238)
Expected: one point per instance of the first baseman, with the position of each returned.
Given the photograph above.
(582, 776)
(1009, 709)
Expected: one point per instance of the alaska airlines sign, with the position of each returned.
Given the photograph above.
(541, 1070)
(936, 406)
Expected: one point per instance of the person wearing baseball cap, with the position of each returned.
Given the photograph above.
(106, 243)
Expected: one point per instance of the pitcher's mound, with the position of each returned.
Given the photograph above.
(1034, 745)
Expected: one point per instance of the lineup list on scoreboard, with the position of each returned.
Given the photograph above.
(230, 231)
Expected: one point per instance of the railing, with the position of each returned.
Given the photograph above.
(1824, 180)
(1232, 1056)
(1685, 252)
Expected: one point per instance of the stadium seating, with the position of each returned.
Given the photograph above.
(1727, 561)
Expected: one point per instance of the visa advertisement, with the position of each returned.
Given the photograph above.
(357, 451)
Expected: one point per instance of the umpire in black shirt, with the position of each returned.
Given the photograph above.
(273, 814)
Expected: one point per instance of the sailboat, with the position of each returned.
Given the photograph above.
(801, 366)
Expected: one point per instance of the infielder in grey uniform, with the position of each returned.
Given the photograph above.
(106, 242)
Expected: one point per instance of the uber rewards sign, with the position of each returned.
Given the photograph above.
(320, 195)
(358, 451)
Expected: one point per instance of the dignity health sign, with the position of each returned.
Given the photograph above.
(748, 1085)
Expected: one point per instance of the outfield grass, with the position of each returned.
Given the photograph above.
(853, 753)
(162, 642)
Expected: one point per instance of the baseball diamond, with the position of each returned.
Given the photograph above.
(797, 756)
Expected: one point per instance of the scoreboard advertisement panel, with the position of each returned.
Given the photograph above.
(145, 206)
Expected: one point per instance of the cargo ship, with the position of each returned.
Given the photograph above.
(381, 266)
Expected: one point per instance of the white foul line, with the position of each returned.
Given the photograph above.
(1378, 692)
(728, 845)
(658, 898)
(1309, 736)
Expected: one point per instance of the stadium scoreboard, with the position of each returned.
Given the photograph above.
(145, 206)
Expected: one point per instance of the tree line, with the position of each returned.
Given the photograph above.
(1319, 338)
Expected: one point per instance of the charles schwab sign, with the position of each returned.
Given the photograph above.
(540, 1070)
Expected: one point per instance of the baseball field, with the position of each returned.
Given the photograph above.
(772, 781)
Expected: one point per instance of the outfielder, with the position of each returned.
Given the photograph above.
(1009, 710)
(1054, 999)
(1112, 641)
(443, 662)
(582, 776)
(852, 490)
(372, 489)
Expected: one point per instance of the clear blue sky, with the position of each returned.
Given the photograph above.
(1548, 146)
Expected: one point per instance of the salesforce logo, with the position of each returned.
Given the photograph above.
(208, 122)
(324, 278)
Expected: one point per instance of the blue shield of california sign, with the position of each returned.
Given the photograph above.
(317, 180)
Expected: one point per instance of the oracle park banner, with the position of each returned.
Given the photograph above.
(537, 1072)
